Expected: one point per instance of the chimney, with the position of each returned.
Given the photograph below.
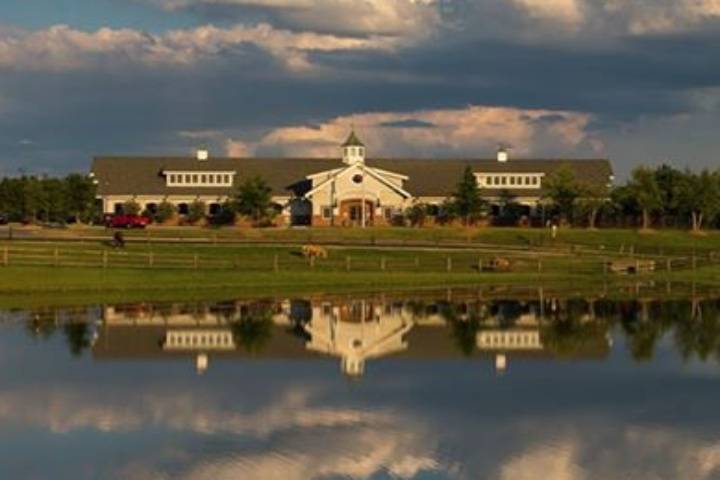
(202, 155)
(502, 155)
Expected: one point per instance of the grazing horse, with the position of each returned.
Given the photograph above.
(314, 251)
(500, 264)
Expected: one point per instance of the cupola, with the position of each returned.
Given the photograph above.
(502, 154)
(353, 150)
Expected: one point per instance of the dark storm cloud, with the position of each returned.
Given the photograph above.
(408, 123)
(71, 115)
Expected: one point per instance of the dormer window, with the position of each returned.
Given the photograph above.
(199, 179)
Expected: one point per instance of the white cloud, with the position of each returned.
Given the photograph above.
(475, 130)
(566, 12)
(410, 18)
(61, 47)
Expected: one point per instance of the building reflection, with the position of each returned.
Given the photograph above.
(353, 330)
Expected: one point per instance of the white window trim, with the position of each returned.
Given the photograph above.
(488, 180)
(176, 178)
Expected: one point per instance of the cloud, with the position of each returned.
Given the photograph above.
(62, 48)
(565, 12)
(406, 18)
(471, 131)
(237, 148)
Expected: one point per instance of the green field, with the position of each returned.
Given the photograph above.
(202, 263)
(665, 241)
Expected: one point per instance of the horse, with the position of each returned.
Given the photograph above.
(314, 251)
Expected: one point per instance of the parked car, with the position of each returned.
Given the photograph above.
(127, 221)
(3, 219)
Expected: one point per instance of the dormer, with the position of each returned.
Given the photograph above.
(353, 150)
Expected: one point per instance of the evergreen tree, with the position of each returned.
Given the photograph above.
(254, 199)
(468, 204)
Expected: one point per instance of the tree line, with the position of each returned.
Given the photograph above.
(48, 199)
(662, 196)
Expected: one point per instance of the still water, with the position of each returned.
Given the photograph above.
(446, 385)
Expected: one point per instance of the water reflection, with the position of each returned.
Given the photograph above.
(358, 330)
(593, 388)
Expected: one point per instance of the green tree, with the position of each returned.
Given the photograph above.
(467, 201)
(699, 196)
(417, 214)
(196, 211)
(645, 190)
(563, 190)
(254, 199)
(80, 197)
(593, 197)
(669, 181)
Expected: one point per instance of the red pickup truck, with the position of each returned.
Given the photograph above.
(127, 221)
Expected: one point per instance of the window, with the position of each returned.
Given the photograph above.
(327, 213)
(188, 179)
(504, 180)
(203, 178)
(388, 211)
(357, 178)
(211, 178)
(226, 179)
(512, 180)
(194, 179)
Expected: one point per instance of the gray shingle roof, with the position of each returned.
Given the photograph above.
(436, 177)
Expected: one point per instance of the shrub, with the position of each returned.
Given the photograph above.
(165, 211)
(131, 207)
(196, 211)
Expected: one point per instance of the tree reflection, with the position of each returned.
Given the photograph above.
(77, 335)
(254, 329)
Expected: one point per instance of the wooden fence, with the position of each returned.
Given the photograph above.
(338, 260)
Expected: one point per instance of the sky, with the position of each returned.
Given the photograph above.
(635, 81)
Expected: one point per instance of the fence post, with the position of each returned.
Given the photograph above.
(276, 263)
(382, 263)
(196, 261)
(104, 258)
(480, 265)
(56, 257)
(694, 262)
(417, 262)
(449, 264)
(669, 264)
(151, 259)
(347, 263)
(312, 261)
(539, 265)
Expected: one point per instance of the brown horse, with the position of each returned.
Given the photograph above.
(314, 251)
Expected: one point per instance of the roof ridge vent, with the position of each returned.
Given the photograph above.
(202, 154)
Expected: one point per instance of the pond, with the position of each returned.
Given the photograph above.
(438, 385)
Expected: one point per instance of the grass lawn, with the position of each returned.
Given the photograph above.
(666, 241)
(41, 271)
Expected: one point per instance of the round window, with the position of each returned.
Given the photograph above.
(357, 178)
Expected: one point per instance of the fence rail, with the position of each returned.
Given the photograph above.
(339, 260)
